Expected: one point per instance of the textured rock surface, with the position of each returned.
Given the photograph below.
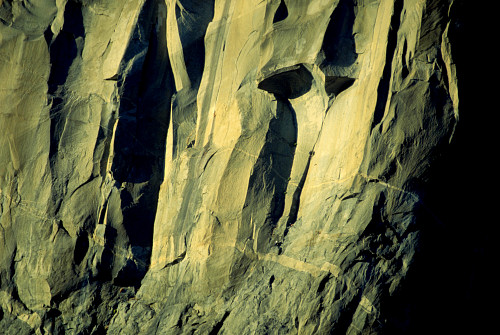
(240, 167)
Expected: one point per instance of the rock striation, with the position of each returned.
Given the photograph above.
(238, 167)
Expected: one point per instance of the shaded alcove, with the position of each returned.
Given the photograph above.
(145, 86)
(63, 51)
(271, 174)
(339, 46)
(281, 12)
(288, 83)
(193, 17)
(334, 85)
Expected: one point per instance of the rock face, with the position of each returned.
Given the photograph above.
(237, 167)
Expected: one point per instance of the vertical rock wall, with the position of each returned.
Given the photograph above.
(225, 167)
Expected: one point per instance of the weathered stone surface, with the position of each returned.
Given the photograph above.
(238, 167)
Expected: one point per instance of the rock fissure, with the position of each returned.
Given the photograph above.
(384, 86)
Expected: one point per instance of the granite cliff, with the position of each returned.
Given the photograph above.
(241, 167)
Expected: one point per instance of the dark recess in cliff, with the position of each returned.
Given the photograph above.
(139, 146)
(281, 12)
(334, 85)
(193, 20)
(384, 84)
(338, 44)
(288, 83)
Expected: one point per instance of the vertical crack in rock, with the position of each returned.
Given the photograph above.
(64, 51)
(289, 83)
(65, 48)
(188, 23)
(214, 58)
(193, 17)
(294, 207)
(81, 247)
(271, 173)
(139, 148)
(383, 88)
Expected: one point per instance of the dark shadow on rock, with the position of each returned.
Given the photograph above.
(130, 274)
(138, 163)
(184, 116)
(334, 85)
(288, 83)
(63, 50)
(81, 247)
(48, 35)
(451, 283)
(144, 102)
(338, 51)
(192, 22)
(281, 12)
(105, 265)
(384, 84)
(295, 204)
(271, 174)
(338, 43)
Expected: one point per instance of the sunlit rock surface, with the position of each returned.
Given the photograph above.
(239, 167)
